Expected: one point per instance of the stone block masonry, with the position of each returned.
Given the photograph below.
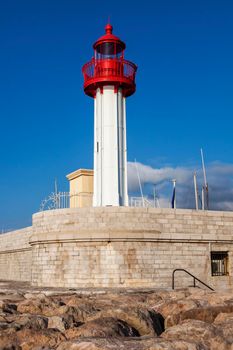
(16, 255)
(118, 247)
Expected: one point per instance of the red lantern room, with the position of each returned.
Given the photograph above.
(108, 66)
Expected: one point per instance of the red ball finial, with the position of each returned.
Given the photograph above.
(108, 29)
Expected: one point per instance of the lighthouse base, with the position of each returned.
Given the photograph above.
(127, 247)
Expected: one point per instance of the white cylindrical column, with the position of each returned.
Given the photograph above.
(110, 160)
(122, 152)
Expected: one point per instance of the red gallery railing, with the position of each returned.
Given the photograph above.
(120, 71)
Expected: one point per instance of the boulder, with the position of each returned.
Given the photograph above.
(177, 345)
(29, 338)
(8, 307)
(129, 344)
(35, 295)
(30, 306)
(42, 306)
(80, 313)
(146, 322)
(103, 327)
(57, 322)
(206, 314)
(36, 322)
(224, 317)
(68, 345)
(170, 307)
(8, 340)
(195, 320)
(199, 332)
(224, 321)
(211, 298)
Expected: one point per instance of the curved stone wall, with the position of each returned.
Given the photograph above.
(127, 247)
(16, 255)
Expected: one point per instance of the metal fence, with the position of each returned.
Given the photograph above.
(62, 200)
(141, 202)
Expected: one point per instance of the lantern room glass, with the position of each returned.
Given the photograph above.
(109, 50)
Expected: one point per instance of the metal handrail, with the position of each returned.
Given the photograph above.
(190, 274)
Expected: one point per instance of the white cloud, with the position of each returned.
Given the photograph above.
(219, 176)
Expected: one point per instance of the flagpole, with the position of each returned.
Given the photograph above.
(174, 194)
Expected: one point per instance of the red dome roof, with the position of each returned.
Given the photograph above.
(109, 37)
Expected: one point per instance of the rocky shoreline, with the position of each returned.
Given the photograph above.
(184, 319)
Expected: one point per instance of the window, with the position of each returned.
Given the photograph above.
(219, 263)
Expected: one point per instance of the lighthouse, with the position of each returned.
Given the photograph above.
(109, 79)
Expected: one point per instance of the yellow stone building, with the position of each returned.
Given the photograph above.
(81, 188)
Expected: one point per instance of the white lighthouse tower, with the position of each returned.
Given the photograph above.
(109, 79)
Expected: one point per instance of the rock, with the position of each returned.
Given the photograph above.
(35, 322)
(212, 298)
(104, 327)
(2, 317)
(146, 322)
(34, 296)
(219, 298)
(31, 306)
(74, 300)
(197, 292)
(199, 332)
(171, 307)
(78, 346)
(225, 322)
(56, 322)
(207, 314)
(224, 317)
(117, 320)
(83, 308)
(177, 294)
(176, 345)
(29, 338)
(43, 306)
(9, 308)
(227, 330)
(130, 344)
(4, 325)
(8, 340)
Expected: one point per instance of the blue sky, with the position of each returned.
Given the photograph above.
(184, 53)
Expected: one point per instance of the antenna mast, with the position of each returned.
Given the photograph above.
(56, 194)
(139, 181)
(195, 189)
(156, 199)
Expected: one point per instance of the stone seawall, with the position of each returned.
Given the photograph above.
(118, 247)
(16, 255)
